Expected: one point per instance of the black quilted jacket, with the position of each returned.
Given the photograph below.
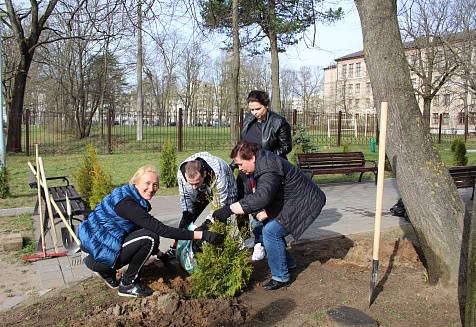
(287, 194)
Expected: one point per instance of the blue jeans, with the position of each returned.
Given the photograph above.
(257, 228)
(279, 259)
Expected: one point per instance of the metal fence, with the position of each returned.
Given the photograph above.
(57, 134)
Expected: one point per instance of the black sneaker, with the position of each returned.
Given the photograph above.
(110, 281)
(274, 285)
(170, 253)
(134, 290)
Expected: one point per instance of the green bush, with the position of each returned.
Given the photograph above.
(459, 153)
(4, 182)
(168, 166)
(225, 270)
(93, 181)
(221, 271)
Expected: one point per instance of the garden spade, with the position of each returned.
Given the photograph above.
(71, 241)
(70, 230)
(378, 207)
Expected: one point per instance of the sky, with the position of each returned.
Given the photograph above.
(332, 42)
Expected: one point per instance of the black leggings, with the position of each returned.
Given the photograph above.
(137, 247)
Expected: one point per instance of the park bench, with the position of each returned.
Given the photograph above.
(336, 163)
(59, 193)
(79, 207)
(464, 177)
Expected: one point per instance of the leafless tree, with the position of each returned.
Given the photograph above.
(433, 203)
(427, 25)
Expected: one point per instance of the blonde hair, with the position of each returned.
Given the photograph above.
(141, 172)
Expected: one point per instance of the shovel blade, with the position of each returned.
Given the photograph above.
(68, 241)
(373, 279)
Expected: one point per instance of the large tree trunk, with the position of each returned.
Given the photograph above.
(235, 80)
(26, 46)
(433, 203)
(15, 113)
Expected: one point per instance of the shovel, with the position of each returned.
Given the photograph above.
(67, 232)
(72, 247)
(378, 207)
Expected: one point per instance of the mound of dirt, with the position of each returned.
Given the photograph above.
(331, 273)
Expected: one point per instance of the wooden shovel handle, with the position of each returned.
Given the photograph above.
(380, 178)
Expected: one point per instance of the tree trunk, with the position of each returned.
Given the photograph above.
(273, 44)
(234, 80)
(470, 308)
(26, 46)
(433, 203)
(15, 113)
(427, 109)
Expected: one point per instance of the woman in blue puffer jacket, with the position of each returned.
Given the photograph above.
(120, 231)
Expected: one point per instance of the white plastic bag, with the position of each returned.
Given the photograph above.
(259, 253)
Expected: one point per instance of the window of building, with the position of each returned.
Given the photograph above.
(351, 70)
(461, 118)
(357, 88)
(414, 83)
(473, 98)
(357, 104)
(367, 87)
(358, 69)
(446, 118)
(344, 71)
(367, 103)
(351, 88)
(447, 100)
(435, 118)
(436, 100)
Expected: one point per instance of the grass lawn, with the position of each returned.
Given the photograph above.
(123, 166)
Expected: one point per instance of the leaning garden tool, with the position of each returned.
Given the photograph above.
(70, 231)
(378, 208)
(41, 168)
(43, 254)
(71, 241)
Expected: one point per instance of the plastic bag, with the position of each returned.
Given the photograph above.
(259, 253)
(185, 252)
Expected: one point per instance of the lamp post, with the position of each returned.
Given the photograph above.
(2, 134)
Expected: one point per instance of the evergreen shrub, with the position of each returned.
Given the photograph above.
(459, 153)
(168, 166)
(225, 270)
(93, 181)
(4, 182)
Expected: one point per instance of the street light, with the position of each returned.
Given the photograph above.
(2, 134)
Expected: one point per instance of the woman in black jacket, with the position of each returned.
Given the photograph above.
(287, 202)
(269, 130)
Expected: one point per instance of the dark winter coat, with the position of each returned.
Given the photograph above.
(288, 195)
(276, 133)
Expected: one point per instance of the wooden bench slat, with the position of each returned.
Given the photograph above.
(336, 163)
(464, 177)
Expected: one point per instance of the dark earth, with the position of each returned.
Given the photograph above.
(331, 273)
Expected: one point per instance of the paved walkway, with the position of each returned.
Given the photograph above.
(350, 209)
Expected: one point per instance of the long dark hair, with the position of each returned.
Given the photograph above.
(245, 149)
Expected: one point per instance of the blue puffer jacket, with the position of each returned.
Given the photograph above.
(102, 234)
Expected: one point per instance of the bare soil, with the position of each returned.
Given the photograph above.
(331, 273)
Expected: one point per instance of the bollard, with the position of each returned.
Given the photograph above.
(372, 145)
